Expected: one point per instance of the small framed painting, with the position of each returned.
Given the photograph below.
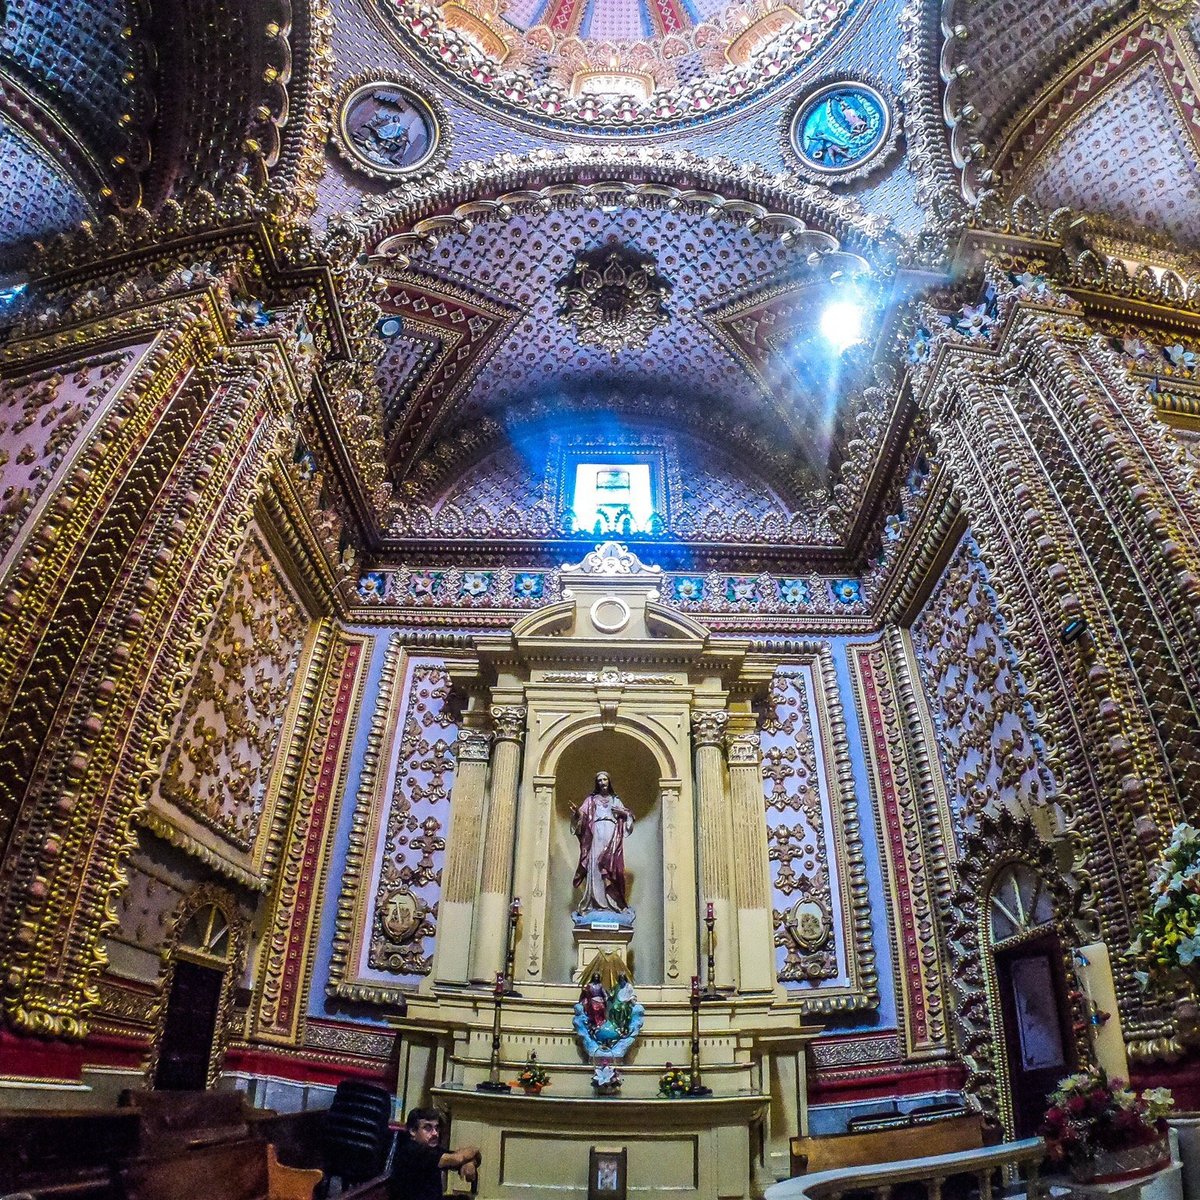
(606, 1173)
(388, 129)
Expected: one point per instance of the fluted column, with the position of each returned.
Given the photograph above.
(460, 881)
(491, 909)
(715, 841)
(752, 879)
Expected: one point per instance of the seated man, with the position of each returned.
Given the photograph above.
(420, 1160)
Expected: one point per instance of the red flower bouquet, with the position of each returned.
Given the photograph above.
(1104, 1131)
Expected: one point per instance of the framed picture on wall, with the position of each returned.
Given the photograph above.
(606, 1173)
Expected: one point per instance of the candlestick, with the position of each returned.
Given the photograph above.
(510, 956)
(710, 920)
(493, 1082)
(697, 1088)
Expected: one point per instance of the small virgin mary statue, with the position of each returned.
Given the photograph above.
(601, 823)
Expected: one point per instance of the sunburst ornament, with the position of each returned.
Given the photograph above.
(614, 297)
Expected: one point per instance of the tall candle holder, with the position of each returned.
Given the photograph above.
(710, 990)
(493, 1082)
(510, 957)
(697, 1088)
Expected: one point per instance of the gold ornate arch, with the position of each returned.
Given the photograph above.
(213, 947)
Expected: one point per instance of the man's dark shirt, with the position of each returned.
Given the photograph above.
(415, 1174)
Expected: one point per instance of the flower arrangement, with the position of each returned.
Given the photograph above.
(532, 1076)
(606, 1079)
(674, 1082)
(1170, 935)
(1092, 1118)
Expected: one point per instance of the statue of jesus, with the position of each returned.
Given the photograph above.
(601, 823)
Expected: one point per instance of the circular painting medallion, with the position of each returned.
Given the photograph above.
(841, 129)
(387, 129)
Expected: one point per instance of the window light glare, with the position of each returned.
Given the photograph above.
(841, 324)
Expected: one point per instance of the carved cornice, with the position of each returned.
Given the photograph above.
(400, 227)
(321, 309)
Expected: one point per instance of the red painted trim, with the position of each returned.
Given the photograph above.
(563, 16)
(906, 941)
(1183, 1078)
(256, 1061)
(668, 17)
(884, 1084)
(297, 937)
(63, 1062)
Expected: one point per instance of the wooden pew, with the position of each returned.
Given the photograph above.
(185, 1146)
(65, 1155)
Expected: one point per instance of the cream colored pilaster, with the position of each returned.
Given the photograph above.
(491, 909)
(533, 871)
(715, 841)
(679, 885)
(461, 880)
(752, 879)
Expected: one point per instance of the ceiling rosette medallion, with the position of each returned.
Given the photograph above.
(614, 298)
(843, 130)
(389, 129)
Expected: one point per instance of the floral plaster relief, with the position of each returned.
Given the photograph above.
(219, 763)
(42, 418)
(990, 751)
(1127, 156)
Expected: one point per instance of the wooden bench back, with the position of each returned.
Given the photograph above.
(946, 1135)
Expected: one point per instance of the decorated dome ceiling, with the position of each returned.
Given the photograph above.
(580, 305)
(612, 67)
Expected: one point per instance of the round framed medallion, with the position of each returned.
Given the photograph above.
(389, 130)
(841, 131)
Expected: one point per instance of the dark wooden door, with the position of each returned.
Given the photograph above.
(1037, 1027)
(191, 1024)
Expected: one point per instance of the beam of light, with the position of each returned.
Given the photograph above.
(841, 324)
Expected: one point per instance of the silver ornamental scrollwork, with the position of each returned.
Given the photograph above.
(611, 558)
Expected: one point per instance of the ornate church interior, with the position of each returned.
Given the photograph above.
(625, 571)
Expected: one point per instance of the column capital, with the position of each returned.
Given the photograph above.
(708, 726)
(509, 720)
(743, 749)
(474, 745)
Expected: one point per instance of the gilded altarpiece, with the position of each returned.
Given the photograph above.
(218, 788)
(388, 906)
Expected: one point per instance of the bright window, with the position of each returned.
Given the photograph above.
(616, 497)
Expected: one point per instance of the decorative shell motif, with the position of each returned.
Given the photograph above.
(614, 298)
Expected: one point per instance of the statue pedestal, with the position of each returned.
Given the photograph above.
(601, 938)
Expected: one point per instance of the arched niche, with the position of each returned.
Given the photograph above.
(635, 772)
